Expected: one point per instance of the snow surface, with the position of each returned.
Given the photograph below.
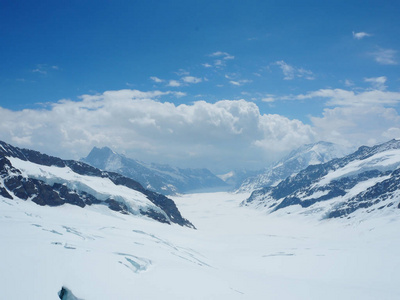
(297, 160)
(101, 188)
(235, 253)
(387, 160)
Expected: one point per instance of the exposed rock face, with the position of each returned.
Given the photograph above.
(54, 191)
(66, 294)
(368, 180)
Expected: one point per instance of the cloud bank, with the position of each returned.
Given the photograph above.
(221, 136)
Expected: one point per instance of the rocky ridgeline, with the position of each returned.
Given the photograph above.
(15, 184)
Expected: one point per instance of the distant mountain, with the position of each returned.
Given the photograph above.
(296, 161)
(46, 180)
(367, 180)
(236, 178)
(160, 178)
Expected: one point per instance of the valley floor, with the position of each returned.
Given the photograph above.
(235, 253)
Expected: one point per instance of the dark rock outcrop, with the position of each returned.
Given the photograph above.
(59, 193)
(307, 187)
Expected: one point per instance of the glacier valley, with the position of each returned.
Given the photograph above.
(235, 253)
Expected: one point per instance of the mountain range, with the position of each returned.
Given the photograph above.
(157, 177)
(365, 181)
(46, 180)
(295, 161)
(72, 231)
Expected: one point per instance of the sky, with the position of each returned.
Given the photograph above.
(217, 84)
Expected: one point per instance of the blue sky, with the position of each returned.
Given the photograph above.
(330, 66)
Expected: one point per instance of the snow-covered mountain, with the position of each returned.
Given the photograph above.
(51, 181)
(97, 253)
(160, 178)
(235, 178)
(365, 181)
(297, 160)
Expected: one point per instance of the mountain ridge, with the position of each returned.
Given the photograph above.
(367, 178)
(48, 180)
(161, 178)
(295, 161)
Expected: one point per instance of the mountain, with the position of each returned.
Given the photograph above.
(236, 178)
(297, 160)
(46, 180)
(157, 177)
(96, 253)
(365, 181)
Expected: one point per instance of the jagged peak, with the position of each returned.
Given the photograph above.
(102, 150)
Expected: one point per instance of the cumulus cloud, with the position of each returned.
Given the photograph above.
(340, 97)
(156, 79)
(377, 82)
(191, 79)
(291, 72)
(221, 136)
(352, 126)
(385, 56)
(174, 83)
(360, 35)
(357, 118)
(268, 98)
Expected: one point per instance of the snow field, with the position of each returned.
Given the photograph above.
(235, 253)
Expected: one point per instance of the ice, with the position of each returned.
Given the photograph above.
(235, 253)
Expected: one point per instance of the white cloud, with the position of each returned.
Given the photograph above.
(359, 118)
(182, 72)
(222, 135)
(268, 98)
(291, 72)
(340, 97)
(156, 79)
(174, 83)
(288, 70)
(191, 79)
(377, 82)
(348, 82)
(220, 59)
(239, 82)
(352, 126)
(224, 55)
(40, 71)
(385, 56)
(179, 94)
(44, 69)
(219, 63)
(307, 74)
(360, 35)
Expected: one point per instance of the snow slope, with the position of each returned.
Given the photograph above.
(363, 182)
(163, 179)
(32, 176)
(297, 160)
(235, 253)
